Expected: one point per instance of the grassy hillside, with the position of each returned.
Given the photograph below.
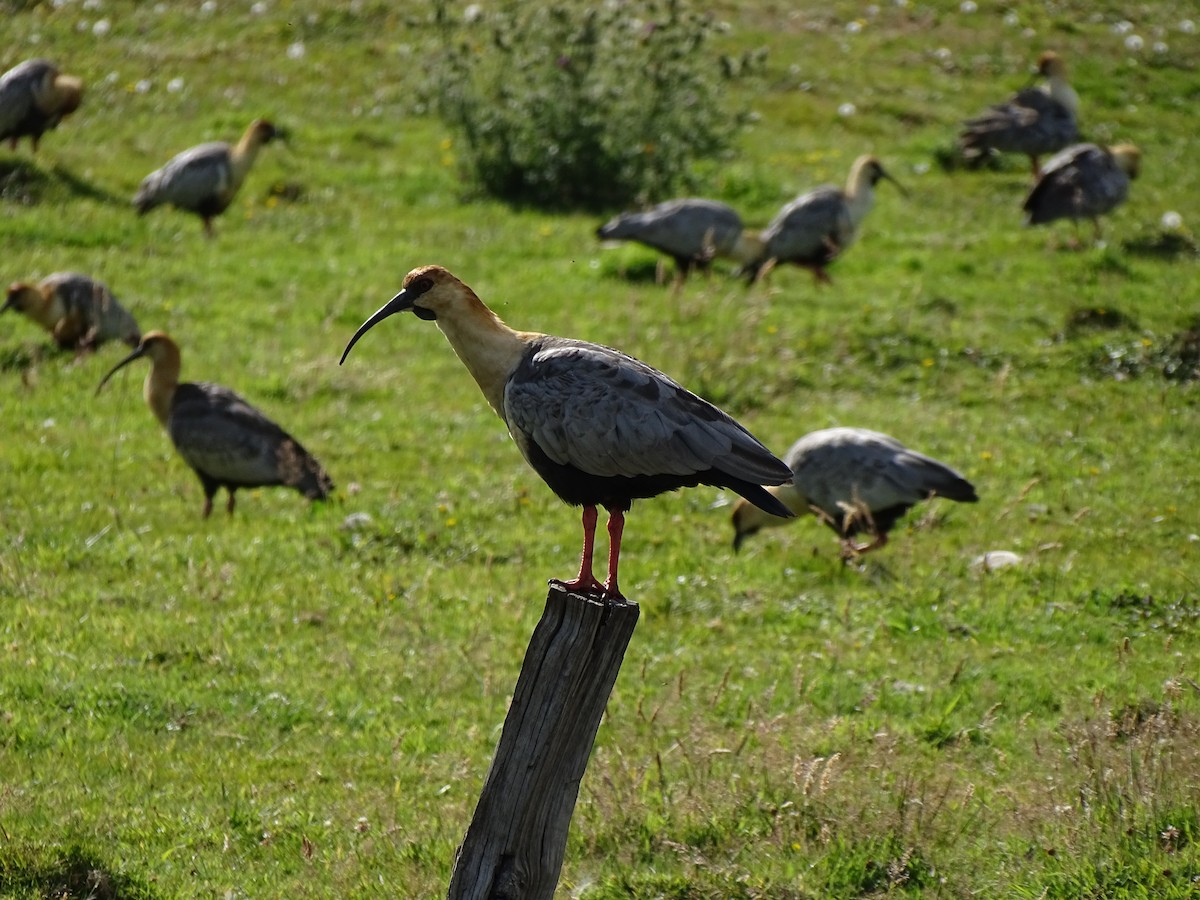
(303, 701)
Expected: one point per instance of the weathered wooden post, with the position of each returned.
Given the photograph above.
(514, 846)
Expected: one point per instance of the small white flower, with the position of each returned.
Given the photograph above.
(472, 13)
(1160, 47)
(872, 10)
(847, 109)
(208, 7)
(921, 168)
(853, 27)
(900, 2)
(1187, 26)
(258, 8)
(1171, 220)
(1122, 27)
(35, 38)
(968, 7)
(1011, 19)
(942, 53)
(1028, 33)
(1134, 42)
(92, 4)
(101, 28)
(143, 86)
(112, 77)
(175, 85)
(296, 50)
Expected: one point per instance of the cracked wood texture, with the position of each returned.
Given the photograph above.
(514, 846)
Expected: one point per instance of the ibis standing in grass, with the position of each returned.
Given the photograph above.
(856, 481)
(818, 226)
(34, 97)
(1083, 182)
(204, 179)
(79, 312)
(601, 428)
(691, 231)
(1033, 121)
(227, 442)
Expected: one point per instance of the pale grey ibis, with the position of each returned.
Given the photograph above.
(817, 227)
(855, 481)
(79, 312)
(204, 179)
(227, 442)
(34, 97)
(1034, 121)
(1083, 182)
(600, 427)
(691, 231)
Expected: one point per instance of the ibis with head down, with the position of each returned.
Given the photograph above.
(600, 427)
(227, 442)
(205, 179)
(1083, 182)
(34, 97)
(79, 312)
(817, 227)
(856, 481)
(691, 231)
(1034, 121)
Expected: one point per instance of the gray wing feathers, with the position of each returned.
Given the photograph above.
(189, 179)
(1031, 122)
(610, 415)
(679, 227)
(846, 465)
(808, 224)
(1080, 182)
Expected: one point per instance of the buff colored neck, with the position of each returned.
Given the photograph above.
(860, 194)
(243, 155)
(487, 347)
(163, 380)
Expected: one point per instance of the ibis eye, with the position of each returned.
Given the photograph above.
(421, 285)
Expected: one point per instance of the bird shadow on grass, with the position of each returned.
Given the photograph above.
(80, 188)
(1163, 245)
(65, 872)
(22, 182)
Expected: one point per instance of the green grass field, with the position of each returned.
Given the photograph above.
(288, 704)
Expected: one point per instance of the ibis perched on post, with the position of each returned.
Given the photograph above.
(856, 481)
(204, 179)
(227, 442)
(1083, 182)
(1034, 121)
(600, 427)
(817, 227)
(691, 231)
(79, 312)
(34, 97)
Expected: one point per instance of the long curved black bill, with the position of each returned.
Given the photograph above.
(136, 354)
(401, 302)
(901, 188)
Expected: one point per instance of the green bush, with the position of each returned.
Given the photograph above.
(578, 105)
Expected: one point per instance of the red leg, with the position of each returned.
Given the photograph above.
(616, 527)
(207, 508)
(229, 504)
(585, 581)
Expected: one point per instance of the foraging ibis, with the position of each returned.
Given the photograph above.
(204, 179)
(227, 442)
(34, 97)
(691, 231)
(1083, 182)
(79, 312)
(601, 428)
(818, 226)
(855, 480)
(1034, 121)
